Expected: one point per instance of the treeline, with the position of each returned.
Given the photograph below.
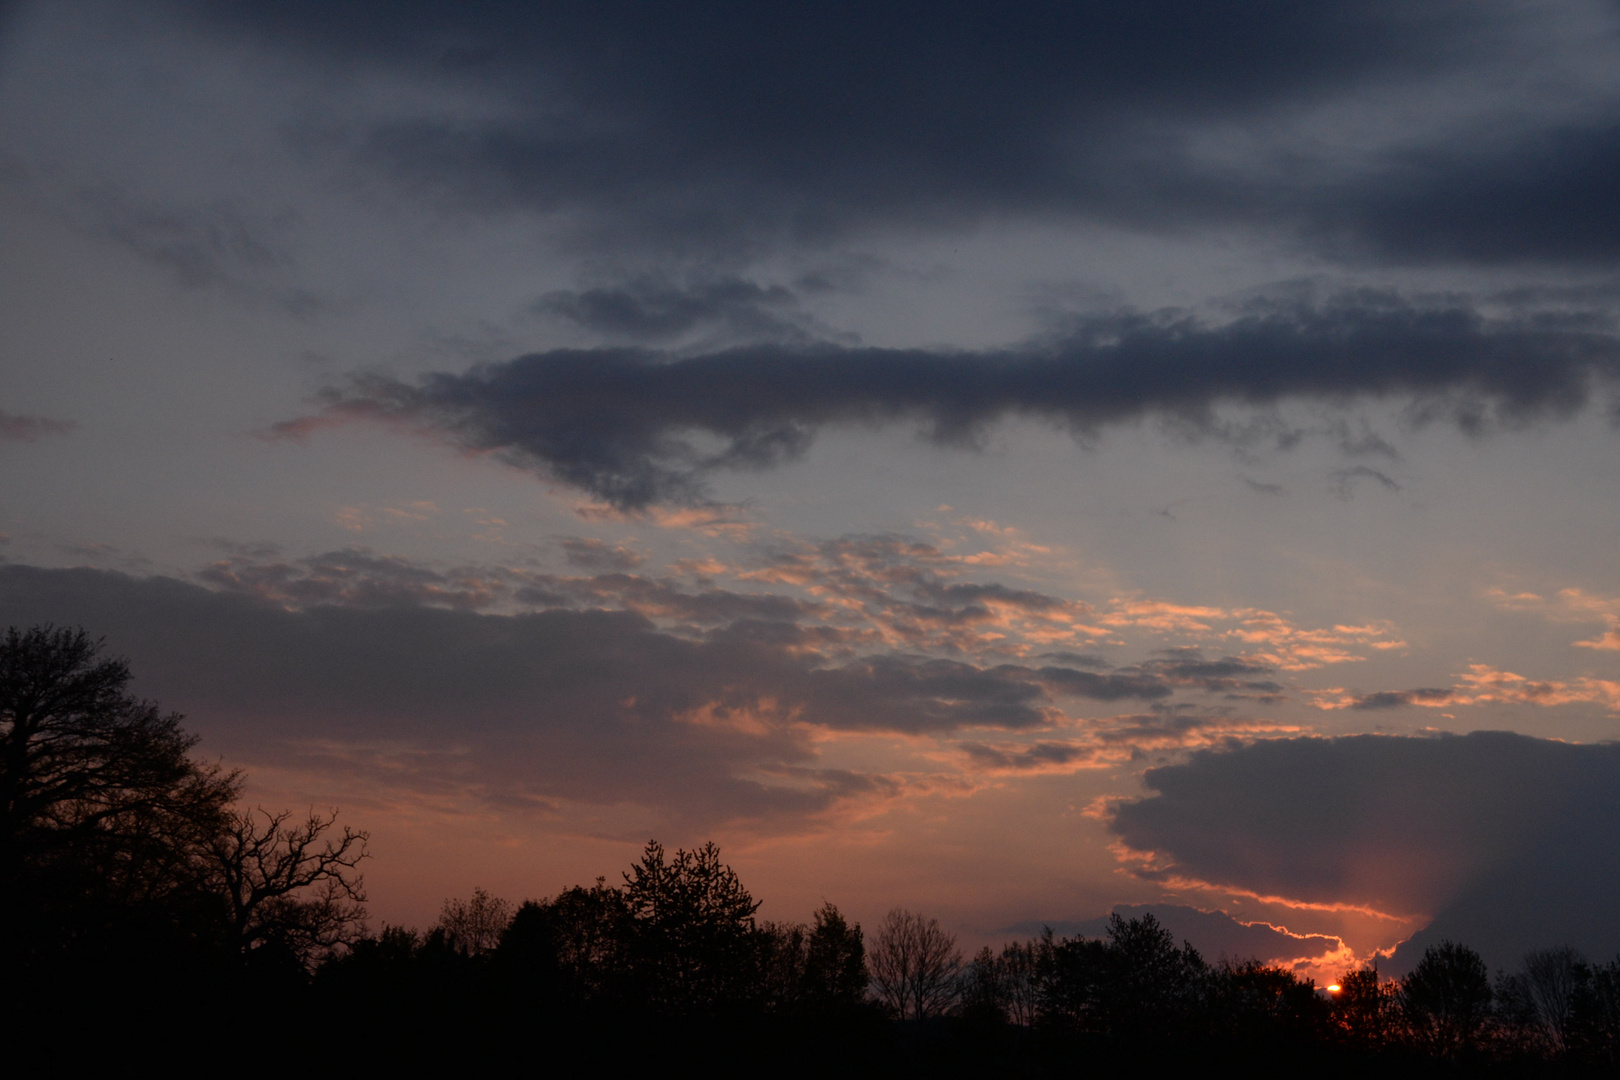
(142, 910)
(677, 945)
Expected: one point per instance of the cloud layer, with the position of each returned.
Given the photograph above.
(704, 704)
(1448, 132)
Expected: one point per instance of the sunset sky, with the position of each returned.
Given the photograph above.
(1006, 463)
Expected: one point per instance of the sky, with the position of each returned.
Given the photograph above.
(1012, 464)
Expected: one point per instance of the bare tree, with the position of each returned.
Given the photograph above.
(475, 926)
(1551, 977)
(915, 965)
(291, 886)
(1021, 981)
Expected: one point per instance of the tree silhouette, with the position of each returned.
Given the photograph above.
(290, 887)
(83, 762)
(104, 816)
(1366, 1008)
(835, 961)
(915, 965)
(1447, 998)
(1594, 1027)
(1151, 985)
(592, 929)
(694, 939)
(475, 926)
(1552, 976)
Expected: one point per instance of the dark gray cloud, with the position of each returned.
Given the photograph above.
(615, 422)
(1159, 678)
(1531, 196)
(1034, 757)
(742, 123)
(655, 310)
(1188, 667)
(1112, 686)
(22, 428)
(1394, 699)
(1509, 842)
(1215, 934)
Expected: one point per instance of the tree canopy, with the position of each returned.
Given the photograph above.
(118, 848)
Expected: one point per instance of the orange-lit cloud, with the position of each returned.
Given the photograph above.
(1481, 684)
(1569, 605)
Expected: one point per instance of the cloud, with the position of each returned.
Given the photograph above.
(1569, 605)
(591, 554)
(15, 428)
(733, 671)
(1508, 842)
(1391, 699)
(1483, 684)
(617, 422)
(374, 667)
(1107, 741)
(650, 309)
(1354, 126)
(1344, 478)
(854, 595)
(220, 244)
(1534, 195)
(352, 577)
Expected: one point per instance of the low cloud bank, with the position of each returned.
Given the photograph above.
(1509, 842)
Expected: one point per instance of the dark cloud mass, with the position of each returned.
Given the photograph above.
(1508, 841)
(647, 309)
(617, 422)
(737, 123)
